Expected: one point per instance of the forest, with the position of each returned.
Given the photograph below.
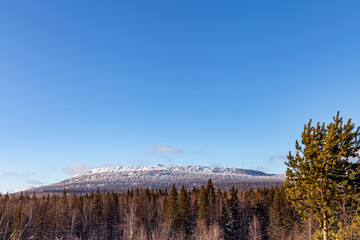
(205, 213)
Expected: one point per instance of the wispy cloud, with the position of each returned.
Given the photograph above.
(75, 168)
(10, 173)
(166, 149)
(34, 181)
(277, 158)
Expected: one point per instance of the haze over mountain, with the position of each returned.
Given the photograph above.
(160, 176)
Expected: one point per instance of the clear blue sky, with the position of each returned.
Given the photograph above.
(85, 84)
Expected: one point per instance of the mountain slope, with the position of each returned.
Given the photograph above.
(161, 176)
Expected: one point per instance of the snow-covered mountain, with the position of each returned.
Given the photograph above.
(161, 176)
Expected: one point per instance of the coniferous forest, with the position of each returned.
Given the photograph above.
(205, 213)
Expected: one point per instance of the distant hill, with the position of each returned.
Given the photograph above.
(160, 176)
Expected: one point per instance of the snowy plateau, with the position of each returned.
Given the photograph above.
(161, 177)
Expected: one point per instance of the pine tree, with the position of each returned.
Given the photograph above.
(320, 174)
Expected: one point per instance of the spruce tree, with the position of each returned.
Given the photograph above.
(194, 196)
(184, 214)
(225, 222)
(172, 209)
(218, 206)
(234, 218)
(321, 175)
(207, 200)
(203, 214)
(211, 202)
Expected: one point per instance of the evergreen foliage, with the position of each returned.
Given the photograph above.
(172, 210)
(320, 176)
(184, 215)
(234, 218)
(203, 214)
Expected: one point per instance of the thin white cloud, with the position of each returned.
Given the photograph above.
(166, 149)
(277, 158)
(34, 181)
(10, 173)
(75, 168)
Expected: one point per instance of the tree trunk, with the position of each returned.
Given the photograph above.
(310, 236)
(325, 227)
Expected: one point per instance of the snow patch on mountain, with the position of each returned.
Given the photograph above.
(161, 176)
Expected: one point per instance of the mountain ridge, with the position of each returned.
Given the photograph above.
(161, 176)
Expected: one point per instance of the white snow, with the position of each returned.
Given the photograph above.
(159, 175)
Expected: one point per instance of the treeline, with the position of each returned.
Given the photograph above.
(205, 213)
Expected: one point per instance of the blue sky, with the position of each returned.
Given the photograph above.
(87, 84)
